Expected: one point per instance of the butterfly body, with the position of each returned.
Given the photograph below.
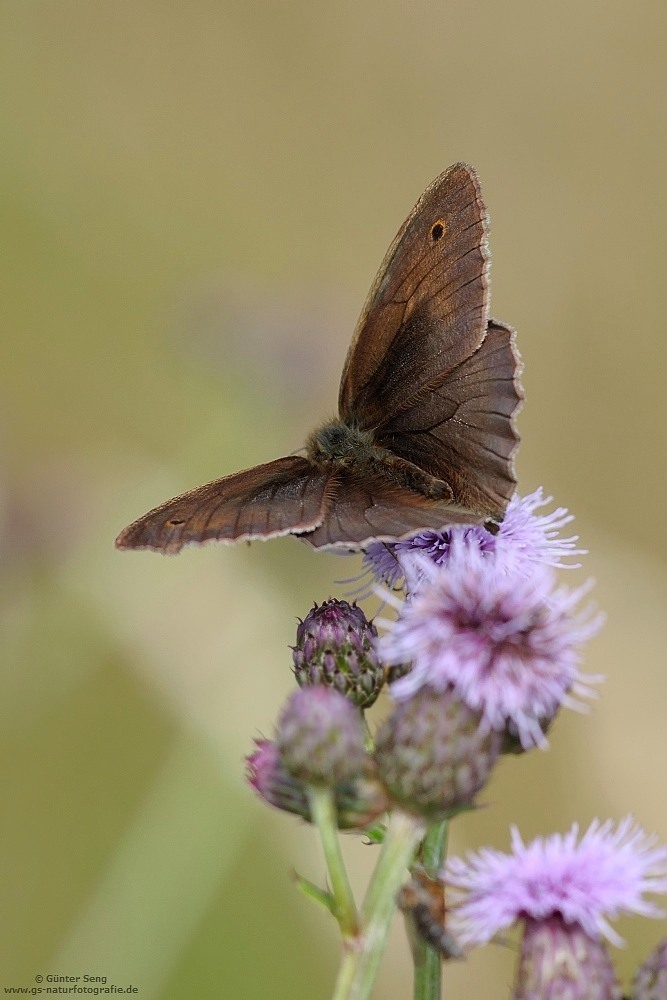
(347, 447)
(425, 433)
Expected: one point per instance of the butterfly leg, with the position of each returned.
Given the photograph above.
(416, 479)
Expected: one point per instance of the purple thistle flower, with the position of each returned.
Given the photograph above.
(507, 643)
(523, 537)
(603, 875)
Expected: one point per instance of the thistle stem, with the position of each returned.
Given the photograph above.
(434, 847)
(362, 959)
(428, 963)
(323, 813)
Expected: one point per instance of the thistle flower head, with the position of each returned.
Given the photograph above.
(508, 643)
(335, 647)
(523, 538)
(584, 882)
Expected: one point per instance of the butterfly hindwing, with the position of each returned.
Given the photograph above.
(372, 507)
(463, 430)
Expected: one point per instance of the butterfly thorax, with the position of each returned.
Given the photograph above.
(344, 444)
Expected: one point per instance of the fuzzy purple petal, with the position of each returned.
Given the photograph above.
(523, 537)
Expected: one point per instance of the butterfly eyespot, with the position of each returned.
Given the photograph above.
(438, 230)
(175, 521)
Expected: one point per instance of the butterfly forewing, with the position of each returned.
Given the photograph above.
(287, 496)
(428, 308)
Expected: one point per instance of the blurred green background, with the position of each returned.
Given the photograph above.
(195, 198)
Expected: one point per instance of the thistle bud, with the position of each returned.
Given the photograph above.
(432, 753)
(359, 800)
(272, 781)
(650, 983)
(320, 737)
(335, 648)
(559, 959)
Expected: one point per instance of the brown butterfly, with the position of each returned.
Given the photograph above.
(425, 435)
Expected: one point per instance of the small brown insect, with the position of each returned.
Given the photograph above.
(422, 901)
(425, 433)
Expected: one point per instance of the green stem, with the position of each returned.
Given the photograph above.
(323, 813)
(346, 974)
(361, 962)
(369, 742)
(434, 847)
(428, 963)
